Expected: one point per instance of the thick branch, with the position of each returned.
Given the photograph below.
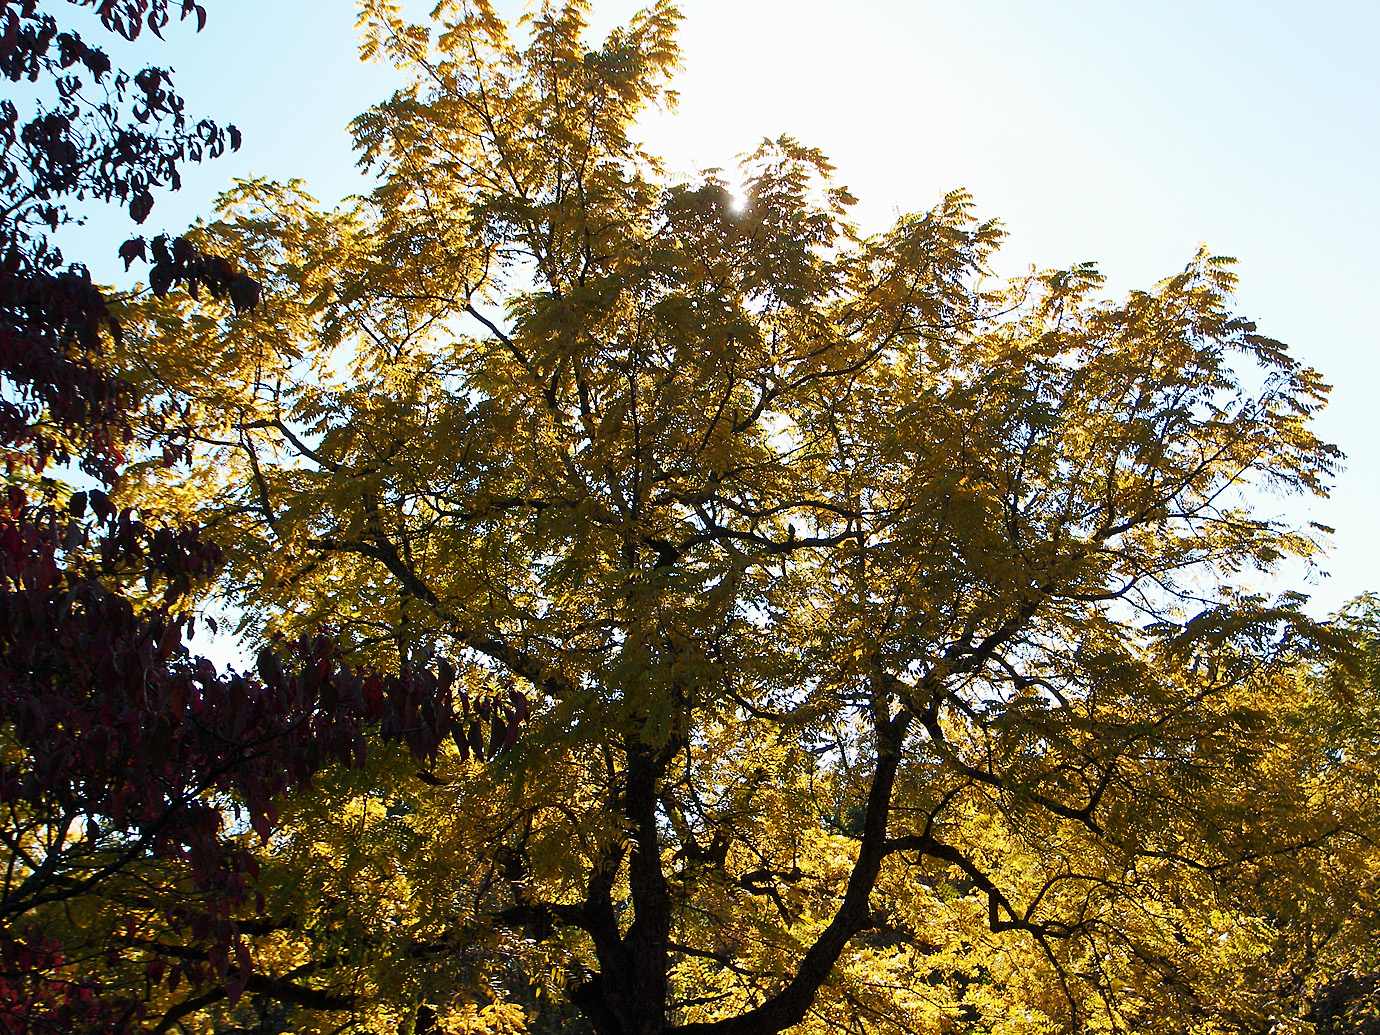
(790, 1006)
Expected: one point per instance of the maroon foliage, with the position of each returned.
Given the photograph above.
(179, 262)
(110, 136)
(131, 772)
(124, 752)
(50, 340)
(118, 146)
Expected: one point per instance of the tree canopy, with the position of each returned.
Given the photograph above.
(836, 636)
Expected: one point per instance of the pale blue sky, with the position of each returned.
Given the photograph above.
(1115, 131)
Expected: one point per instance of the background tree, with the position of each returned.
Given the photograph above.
(83, 676)
(100, 134)
(122, 757)
(892, 631)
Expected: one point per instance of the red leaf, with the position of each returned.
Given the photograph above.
(101, 504)
(131, 250)
(161, 279)
(139, 208)
(244, 292)
(510, 738)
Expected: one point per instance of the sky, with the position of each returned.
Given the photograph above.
(1124, 133)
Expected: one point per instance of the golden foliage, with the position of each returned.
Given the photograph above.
(897, 657)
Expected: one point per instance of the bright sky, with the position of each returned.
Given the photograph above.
(1119, 132)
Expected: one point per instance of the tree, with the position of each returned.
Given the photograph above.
(891, 629)
(81, 669)
(122, 757)
(116, 148)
